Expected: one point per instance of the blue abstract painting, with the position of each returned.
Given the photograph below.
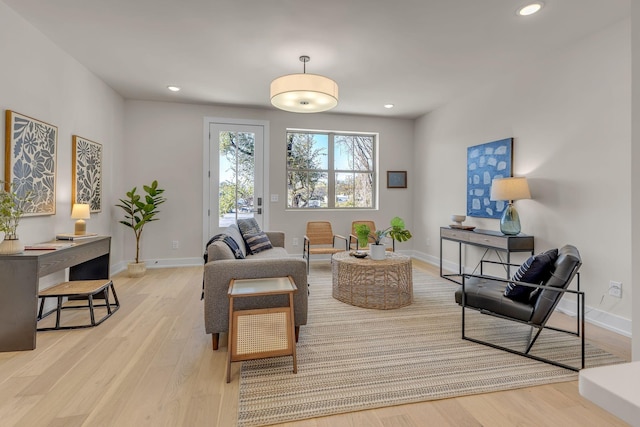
(31, 161)
(484, 163)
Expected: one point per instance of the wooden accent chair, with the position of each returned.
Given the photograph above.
(353, 238)
(317, 239)
(486, 294)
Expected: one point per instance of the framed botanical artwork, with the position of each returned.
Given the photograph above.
(396, 179)
(86, 166)
(484, 163)
(30, 161)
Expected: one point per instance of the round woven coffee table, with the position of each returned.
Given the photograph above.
(367, 283)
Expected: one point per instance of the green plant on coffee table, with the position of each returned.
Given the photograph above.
(362, 233)
(396, 231)
(139, 211)
(12, 207)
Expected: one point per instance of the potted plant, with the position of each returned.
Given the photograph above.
(396, 231)
(139, 211)
(12, 207)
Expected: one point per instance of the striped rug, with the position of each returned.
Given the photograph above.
(352, 358)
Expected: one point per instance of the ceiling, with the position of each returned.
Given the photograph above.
(416, 54)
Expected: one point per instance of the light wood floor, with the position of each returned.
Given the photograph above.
(151, 364)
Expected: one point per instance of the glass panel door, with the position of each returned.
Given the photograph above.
(236, 174)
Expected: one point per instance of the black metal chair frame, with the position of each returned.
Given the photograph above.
(580, 312)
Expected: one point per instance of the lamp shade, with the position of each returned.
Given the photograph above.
(514, 188)
(304, 93)
(80, 211)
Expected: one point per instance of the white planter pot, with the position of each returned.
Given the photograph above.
(11, 245)
(377, 252)
(136, 269)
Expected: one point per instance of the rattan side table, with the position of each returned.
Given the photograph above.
(264, 332)
(383, 284)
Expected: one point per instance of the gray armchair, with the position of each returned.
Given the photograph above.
(486, 294)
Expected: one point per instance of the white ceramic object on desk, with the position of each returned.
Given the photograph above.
(458, 219)
(11, 245)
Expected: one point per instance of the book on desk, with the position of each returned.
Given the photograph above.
(71, 236)
(47, 246)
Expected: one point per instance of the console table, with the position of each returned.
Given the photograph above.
(19, 277)
(486, 239)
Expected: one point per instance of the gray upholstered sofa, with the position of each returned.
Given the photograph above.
(222, 266)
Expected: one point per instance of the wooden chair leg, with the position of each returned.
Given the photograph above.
(297, 333)
(214, 340)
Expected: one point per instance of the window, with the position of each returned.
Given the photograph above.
(330, 170)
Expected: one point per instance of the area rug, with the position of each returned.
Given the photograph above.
(352, 358)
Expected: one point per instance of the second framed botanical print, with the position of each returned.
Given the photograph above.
(86, 166)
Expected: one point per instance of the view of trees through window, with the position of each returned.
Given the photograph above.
(237, 167)
(330, 170)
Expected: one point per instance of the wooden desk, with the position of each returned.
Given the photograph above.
(19, 277)
(486, 239)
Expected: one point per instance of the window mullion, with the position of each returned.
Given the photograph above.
(331, 184)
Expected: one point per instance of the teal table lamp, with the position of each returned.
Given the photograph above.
(510, 189)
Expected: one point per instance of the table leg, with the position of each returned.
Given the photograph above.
(229, 340)
(292, 337)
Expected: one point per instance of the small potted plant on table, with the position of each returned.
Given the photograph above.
(376, 248)
(12, 207)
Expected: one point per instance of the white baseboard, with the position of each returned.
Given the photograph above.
(159, 263)
(605, 320)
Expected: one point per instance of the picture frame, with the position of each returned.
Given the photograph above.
(484, 163)
(30, 161)
(396, 179)
(86, 167)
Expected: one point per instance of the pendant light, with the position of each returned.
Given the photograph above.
(304, 93)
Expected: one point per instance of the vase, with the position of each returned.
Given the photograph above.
(136, 269)
(11, 245)
(377, 252)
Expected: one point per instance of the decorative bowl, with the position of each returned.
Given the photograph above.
(458, 219)
(359, 254)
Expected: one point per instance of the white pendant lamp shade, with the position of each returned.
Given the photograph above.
(304, 93)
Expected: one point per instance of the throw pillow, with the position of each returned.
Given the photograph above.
(257, 242)
(255, 239)
(536, 270)
(248, 226)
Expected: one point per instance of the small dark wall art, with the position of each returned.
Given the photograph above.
(87, 173)
(396, 179)
(484, 163)
(30, 161)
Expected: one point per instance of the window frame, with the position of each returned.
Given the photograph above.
(331, 171)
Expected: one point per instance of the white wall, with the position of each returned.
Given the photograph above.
(635, 171)
(164, 141)
(569, 116)
(40, 80)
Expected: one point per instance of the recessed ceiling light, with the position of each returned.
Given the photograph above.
(389, 105)
(173, 88)
(530, 9)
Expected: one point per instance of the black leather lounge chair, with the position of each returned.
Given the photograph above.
(486, 294)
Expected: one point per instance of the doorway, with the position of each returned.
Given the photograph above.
(235, 173)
